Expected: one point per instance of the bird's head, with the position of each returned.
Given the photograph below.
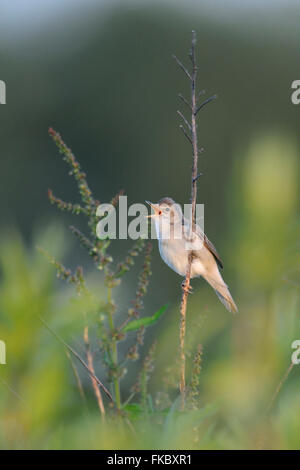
(166, 209)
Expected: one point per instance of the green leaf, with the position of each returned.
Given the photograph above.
(134, 408)
(146, 321)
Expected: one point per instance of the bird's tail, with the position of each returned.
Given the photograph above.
(223, 293)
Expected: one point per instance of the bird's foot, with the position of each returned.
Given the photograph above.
(186, 288)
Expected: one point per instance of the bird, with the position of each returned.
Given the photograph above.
(176, 242)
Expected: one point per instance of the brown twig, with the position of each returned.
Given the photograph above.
(71, 350)
(212, 98)
(185, 101)
(76, 375)
(185, 120)
(195, 152)
(182, 67)
(181, 127)
(91, 366)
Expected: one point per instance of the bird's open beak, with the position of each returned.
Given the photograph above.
(154, 207)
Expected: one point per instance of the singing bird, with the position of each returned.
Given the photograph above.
(176, 241)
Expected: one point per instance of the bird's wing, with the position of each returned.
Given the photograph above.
(208, 244)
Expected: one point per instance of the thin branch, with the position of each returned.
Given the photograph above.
(84, 240)
(185, 120)
(185, 101)
(66, 206)
(132, 394)
(278, 388)
(182, 67)
(11, 390)
(69, 348)
(185, 133)
(76, 171)
(91, 366)
(186, 284)
(197, 177)
(114, 351)
(212, 98)
(76, 375)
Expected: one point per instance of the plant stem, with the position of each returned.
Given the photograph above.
(71, 350)
(91, 366)
(278, 388)
(114, 352)
(186, 286)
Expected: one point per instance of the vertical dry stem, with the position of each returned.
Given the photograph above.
(190, 132)
(186, 286)
(91, 366)
(114, 352)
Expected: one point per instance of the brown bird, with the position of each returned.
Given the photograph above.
(176, 240)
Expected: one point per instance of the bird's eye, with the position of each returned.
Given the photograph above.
(167, 209)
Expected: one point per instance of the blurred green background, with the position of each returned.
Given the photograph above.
(103, 76)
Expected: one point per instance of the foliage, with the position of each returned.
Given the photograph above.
(109, 334)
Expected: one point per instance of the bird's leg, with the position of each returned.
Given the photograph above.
(188, 288)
